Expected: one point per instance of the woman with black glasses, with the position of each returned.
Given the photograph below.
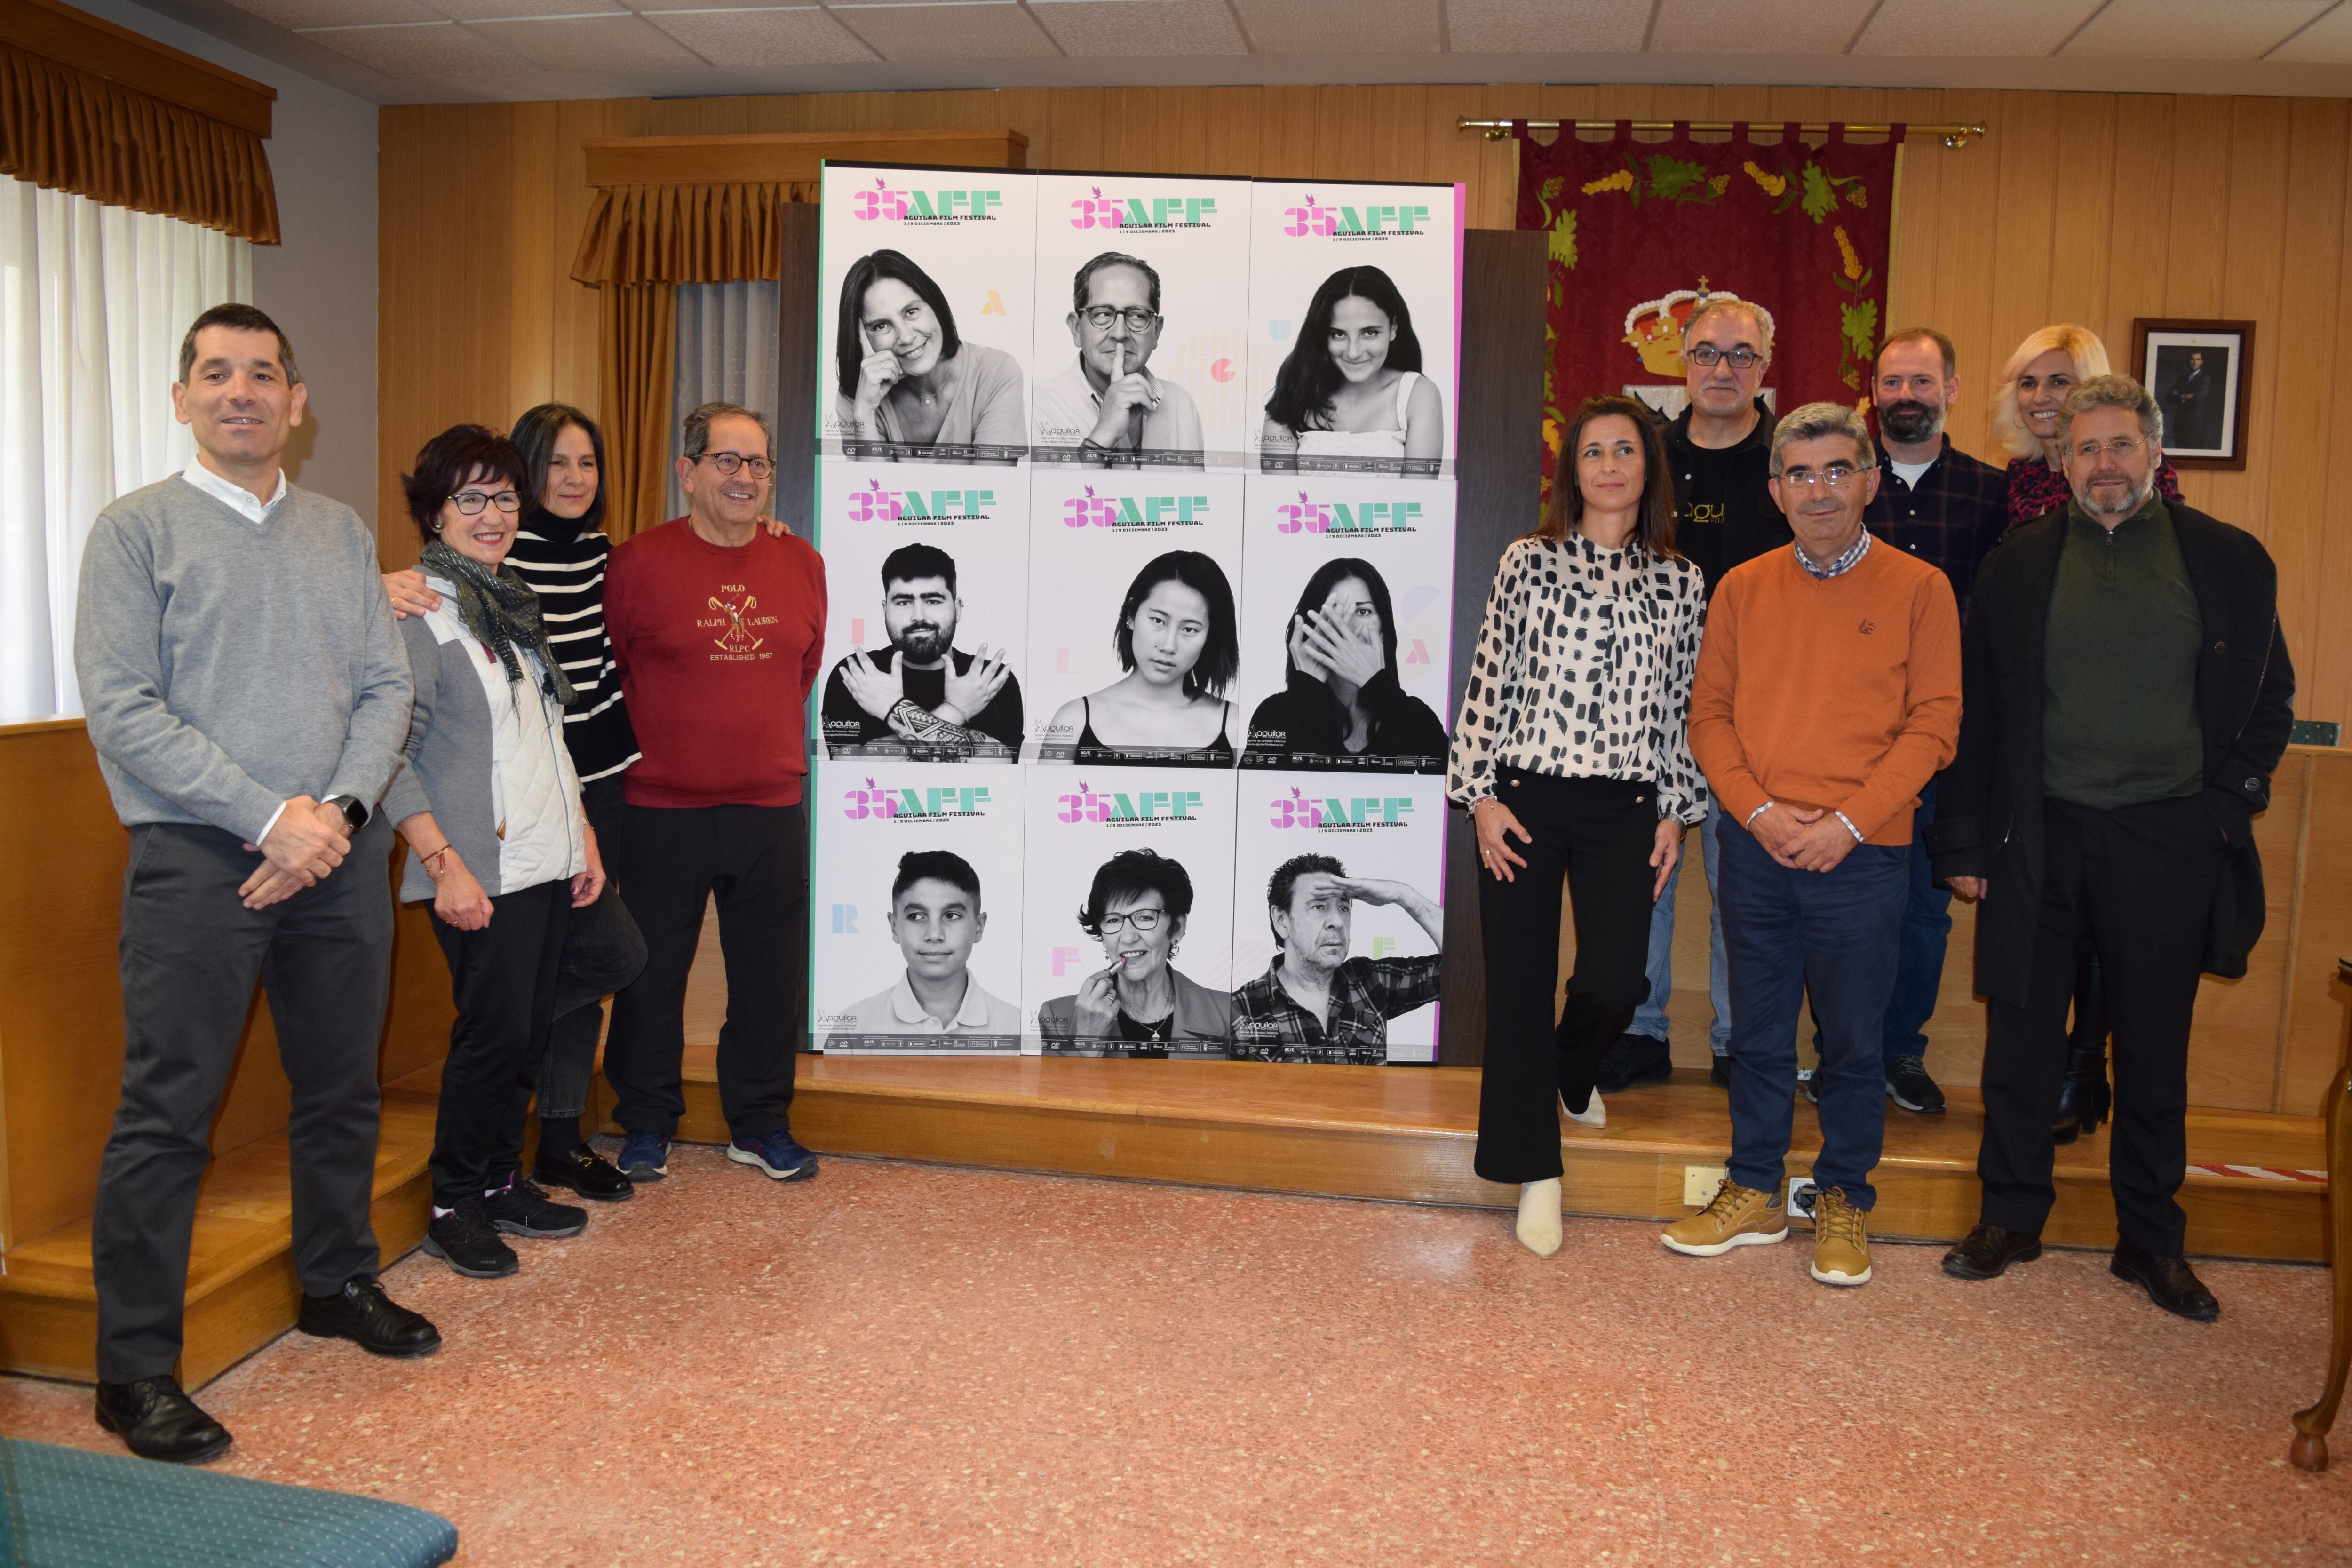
(1139, 1006)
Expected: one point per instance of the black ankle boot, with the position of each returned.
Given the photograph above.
(2085, 1097)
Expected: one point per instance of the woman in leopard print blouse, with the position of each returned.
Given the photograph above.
(1571, 757)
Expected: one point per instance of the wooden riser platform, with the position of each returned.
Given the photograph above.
(242, 1293)
(1397, 1133)
(1408, 1133)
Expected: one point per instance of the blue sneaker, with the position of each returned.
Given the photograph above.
(645, 1157)
(776, 1154)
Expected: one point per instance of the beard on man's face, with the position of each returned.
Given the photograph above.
(924, 641)
(1909, 421)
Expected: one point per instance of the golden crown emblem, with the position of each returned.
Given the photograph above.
(1655, 327)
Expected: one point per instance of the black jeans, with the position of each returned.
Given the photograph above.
(2137, 883)
(191, 952)
(603, 952)
(1597, 833)
(503, 978)
(754, 859)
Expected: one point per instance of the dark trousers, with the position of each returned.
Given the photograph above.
(191, 954)
(503, 978)
(2137, 884)
(1919, 958)
(1834, 934)
(1597, 833)
(602, 954)
(755, 859)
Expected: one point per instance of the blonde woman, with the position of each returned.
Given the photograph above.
(2048, 366)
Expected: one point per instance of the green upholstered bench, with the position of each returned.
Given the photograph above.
(65, 1507)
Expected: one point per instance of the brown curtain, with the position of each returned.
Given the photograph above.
(639, 244)
(66, 130)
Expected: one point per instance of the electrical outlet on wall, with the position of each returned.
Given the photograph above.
(1801, 1197)
(1699, 1183)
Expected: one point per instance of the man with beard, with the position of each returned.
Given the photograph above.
(1942, 506)
(919, 696)
(2127, 697)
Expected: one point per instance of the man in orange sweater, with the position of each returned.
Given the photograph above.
(1828, 695)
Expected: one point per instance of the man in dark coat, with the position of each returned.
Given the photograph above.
(2126, 694)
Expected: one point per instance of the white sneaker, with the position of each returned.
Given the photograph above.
(1594, 1114)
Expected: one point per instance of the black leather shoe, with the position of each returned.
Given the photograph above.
(1633, 1058)
(155, 1417)
(2170, 1282)
(465, 1240)
(583, 1171)
(1988, 1250)
(363, 1314)
(1718, 1072)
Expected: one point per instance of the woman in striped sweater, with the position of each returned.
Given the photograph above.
(560, 550)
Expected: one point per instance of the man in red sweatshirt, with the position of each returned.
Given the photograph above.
(717, 630)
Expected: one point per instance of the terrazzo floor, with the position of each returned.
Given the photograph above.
(902, 1365)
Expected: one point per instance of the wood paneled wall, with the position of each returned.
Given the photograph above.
(2094, 208)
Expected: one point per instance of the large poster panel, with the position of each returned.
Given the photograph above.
(927, 580)
(1345, 643)
(1135, 581)
(1142, 302)
(919, 908)
(929, 276)
(1130, 910)
(1354, 347)
(1338, 889)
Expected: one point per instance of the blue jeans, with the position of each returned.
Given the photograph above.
(1650, 1019)
(1835, 932)
(1927, 929)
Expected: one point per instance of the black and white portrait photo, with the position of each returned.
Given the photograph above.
(919, 695)
(1351, 394)
(1177, 636)
(1342, 703)
(1108, 406)
(1138, 1004)
(908, 383)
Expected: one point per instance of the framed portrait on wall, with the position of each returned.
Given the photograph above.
(2197, 373)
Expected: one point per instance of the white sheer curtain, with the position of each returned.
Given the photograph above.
(93, 302)
(727, 353)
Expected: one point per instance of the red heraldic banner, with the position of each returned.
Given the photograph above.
(1641, 231)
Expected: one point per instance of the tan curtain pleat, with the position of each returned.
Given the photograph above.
(66, 130)
(638, 352)
(640, 242)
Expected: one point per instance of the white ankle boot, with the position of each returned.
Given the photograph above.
(1540, 1216)
(1592, 1115)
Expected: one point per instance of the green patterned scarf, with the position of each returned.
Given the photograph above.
(499, 608)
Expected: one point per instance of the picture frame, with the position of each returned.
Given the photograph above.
(2196, 370)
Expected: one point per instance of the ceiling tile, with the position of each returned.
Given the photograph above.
(1112, 29)
(1342, 26)
(2326, 42)
(592, 44)
(1546, 27)
(992, 30)
(434, 48)
(336, 13)
(1757, 27)
(513, 10)
(787, 35)
(2192, 29)
(1987, 29)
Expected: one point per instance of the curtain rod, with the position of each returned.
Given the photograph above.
(1500, 130)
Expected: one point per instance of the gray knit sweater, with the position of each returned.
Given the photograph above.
(227, 666)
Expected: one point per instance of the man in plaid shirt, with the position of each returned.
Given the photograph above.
(1315, 1004)
(1944, 506)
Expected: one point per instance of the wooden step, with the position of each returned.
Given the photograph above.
(242, 1290)
(1409, 1134)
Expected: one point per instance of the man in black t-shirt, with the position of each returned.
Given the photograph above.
(919, 696)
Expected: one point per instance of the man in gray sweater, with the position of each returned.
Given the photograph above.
(248, 697)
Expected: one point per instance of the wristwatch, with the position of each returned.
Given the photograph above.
(355, 815)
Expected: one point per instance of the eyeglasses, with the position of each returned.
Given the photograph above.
(1837, 476)
(2121, 447)
(1138, 319)
(1141, 920)
(1706, 356)
(731, 463)
(471, 502)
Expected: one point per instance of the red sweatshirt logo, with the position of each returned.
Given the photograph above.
(735, 619)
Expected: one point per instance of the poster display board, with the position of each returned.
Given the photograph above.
(1136, 501)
